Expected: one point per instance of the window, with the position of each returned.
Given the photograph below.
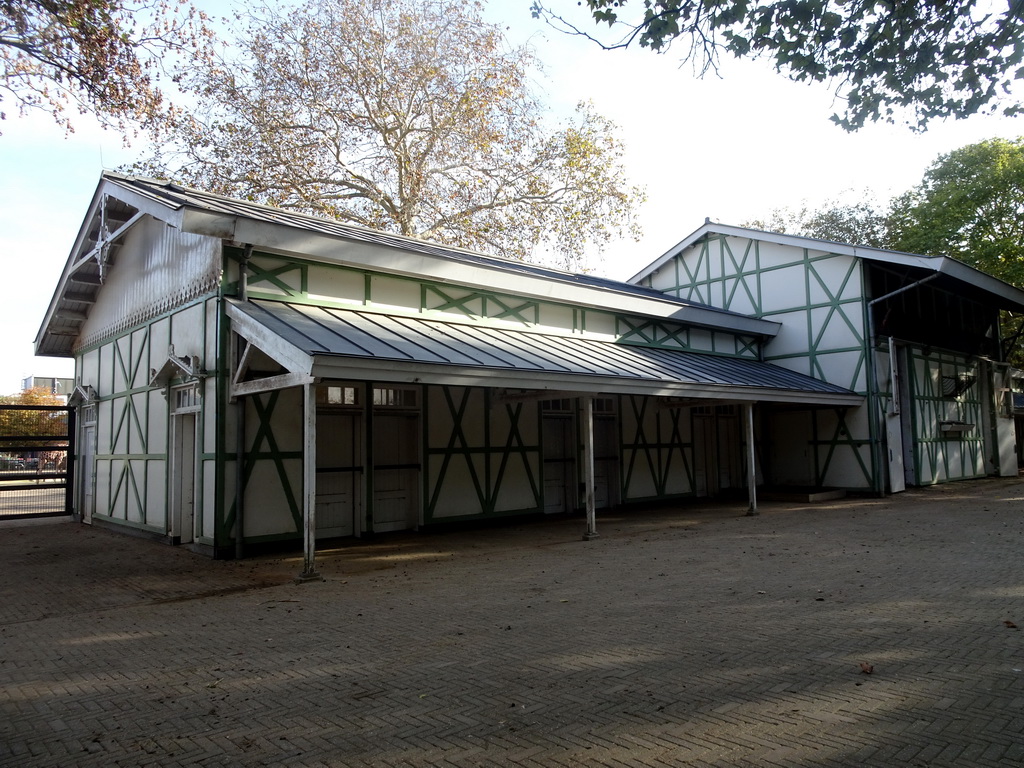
(561, 405)
(393, 397)
(185, 399)
(337, 395)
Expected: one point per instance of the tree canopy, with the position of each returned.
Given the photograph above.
(98, 56)
(410, 117)
(29, 423)
(911, 61)
(969, 205)
(862, 222)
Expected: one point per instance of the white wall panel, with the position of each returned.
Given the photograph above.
(337, 285)
(156, 495)
(186, 334)
(556, 316)
(394, 293)
(783, 289)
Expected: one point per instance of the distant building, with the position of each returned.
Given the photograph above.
(61, 387)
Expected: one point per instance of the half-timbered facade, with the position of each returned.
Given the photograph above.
(917, 336)
(246, 374)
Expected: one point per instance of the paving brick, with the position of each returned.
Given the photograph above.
(688, 635)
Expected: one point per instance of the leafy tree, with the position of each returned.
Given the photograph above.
(99, 56)
(405, 116)
(860, 223)
(969, 205)
(27, 423)
(935, 58)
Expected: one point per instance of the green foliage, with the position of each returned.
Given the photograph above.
(410, 117)
(859, 223)
(931, 58)
(970, 205)
(99, 56)
(33, 423)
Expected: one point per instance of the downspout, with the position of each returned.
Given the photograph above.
(876, 453)
(243, 295)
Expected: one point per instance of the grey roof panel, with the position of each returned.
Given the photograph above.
(178, 197)
(354, 333)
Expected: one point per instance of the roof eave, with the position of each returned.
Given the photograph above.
(108, 186)
(1013, 298)
(323, 247)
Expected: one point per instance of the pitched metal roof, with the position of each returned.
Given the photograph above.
(227, 217)
(349, 343)
(1002, 294)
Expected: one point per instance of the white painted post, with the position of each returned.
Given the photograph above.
(751, 466)
(309, 486)
(588, 467)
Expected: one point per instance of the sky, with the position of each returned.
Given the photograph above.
(732, 147)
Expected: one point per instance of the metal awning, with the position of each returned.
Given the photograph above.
(337, 343)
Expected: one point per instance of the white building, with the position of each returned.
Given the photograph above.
(390, 383)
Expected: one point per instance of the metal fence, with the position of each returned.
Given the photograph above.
(36, 460)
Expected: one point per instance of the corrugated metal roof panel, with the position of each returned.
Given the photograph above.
(351, 333)
(177, 196)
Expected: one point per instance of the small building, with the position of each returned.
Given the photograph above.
(246, 374)
(55, 386)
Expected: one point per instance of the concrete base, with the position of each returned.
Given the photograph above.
(801, 495)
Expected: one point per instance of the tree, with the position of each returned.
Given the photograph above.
(19, 425)
(861, 223)
(98, 56)
(933, 58)
(404, 116)
(969, 205)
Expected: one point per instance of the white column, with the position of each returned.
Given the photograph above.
(751, 464)
(309, 485)
(588, 466)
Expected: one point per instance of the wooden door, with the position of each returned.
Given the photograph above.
(339, 473)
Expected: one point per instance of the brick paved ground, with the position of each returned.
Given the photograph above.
(682, 637)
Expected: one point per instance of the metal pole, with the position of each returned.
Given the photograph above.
(69, 462)
(751, 466)
(588, 467)
(309, 486)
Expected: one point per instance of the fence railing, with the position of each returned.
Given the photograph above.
(36, 460)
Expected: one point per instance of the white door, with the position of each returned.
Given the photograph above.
(791, 458)
(396, 471)
(559, 464)
(894, 448)
(339, 474)
(87, 474)
(183, 473)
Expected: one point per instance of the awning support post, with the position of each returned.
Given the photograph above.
(588, 467)
(751, 465)
(309, 486)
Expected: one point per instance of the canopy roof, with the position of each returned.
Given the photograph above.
(333, 343)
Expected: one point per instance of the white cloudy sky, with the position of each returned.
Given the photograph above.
(731, 147)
